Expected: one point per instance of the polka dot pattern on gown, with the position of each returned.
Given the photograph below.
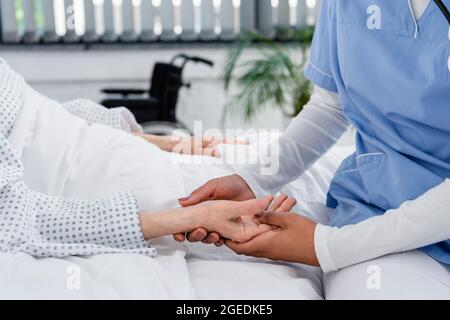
(11, 91)
(118, 118)
(48, 226)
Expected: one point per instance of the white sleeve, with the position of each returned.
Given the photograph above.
(310, 135)
(416, 224)
(91, 112)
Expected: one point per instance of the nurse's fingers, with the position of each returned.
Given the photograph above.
(277, 202)
(221, 242)
(282, 203)
(252, 248)
(213, 238)
(202, 194)
(180, 237)
(278, 219)
(198, 235)
(287, 205)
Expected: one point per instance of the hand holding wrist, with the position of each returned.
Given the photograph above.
(292, 240)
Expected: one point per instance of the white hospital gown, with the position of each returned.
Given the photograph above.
(48, 226)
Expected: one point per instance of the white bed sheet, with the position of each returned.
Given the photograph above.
(94, 162)
(128, 276)
(181, 271)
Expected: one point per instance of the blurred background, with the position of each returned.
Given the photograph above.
(69, 49)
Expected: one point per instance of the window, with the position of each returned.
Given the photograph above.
(91, 21)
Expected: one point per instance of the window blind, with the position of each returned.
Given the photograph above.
(91, 21)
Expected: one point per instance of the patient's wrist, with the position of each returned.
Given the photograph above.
(196, 215)
(169, 222)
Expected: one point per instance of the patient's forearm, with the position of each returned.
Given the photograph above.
(159, 224)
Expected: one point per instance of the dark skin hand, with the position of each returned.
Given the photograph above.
(292, 240)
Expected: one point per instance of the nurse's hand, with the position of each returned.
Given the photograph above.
(282, 203)
(291, 240)
(232, 188)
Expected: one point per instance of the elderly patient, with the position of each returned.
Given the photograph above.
(40, 220)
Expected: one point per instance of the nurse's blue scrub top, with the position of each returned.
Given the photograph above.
(393, 79)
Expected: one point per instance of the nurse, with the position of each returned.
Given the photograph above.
(382, 67)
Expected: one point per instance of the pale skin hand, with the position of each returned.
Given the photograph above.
(292, 240)
(227, 188)
(189, 145)
(234, 220)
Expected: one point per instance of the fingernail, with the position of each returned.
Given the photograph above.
(199, 234)
(183, 199)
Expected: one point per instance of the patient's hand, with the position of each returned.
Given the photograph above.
(189, 145)
(281, 203)
(232, 220)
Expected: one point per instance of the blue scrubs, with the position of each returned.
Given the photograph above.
(393, 79)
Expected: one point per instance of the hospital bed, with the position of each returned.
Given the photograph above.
(181, 271)
(96, 161)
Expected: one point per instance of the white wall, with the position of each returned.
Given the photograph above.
(65, 75)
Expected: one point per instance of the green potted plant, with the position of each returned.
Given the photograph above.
(275, 78)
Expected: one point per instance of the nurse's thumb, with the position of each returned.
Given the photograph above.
(202, 194)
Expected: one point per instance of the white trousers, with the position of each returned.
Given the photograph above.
(405, 276)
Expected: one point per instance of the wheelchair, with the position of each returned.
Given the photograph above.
(155, 109)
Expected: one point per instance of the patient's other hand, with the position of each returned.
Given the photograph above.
(189, 145)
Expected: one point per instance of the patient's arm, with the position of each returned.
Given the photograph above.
(123, 119)
(91, 112)
(47, 226)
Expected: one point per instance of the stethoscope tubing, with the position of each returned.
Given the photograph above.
(443, 9)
